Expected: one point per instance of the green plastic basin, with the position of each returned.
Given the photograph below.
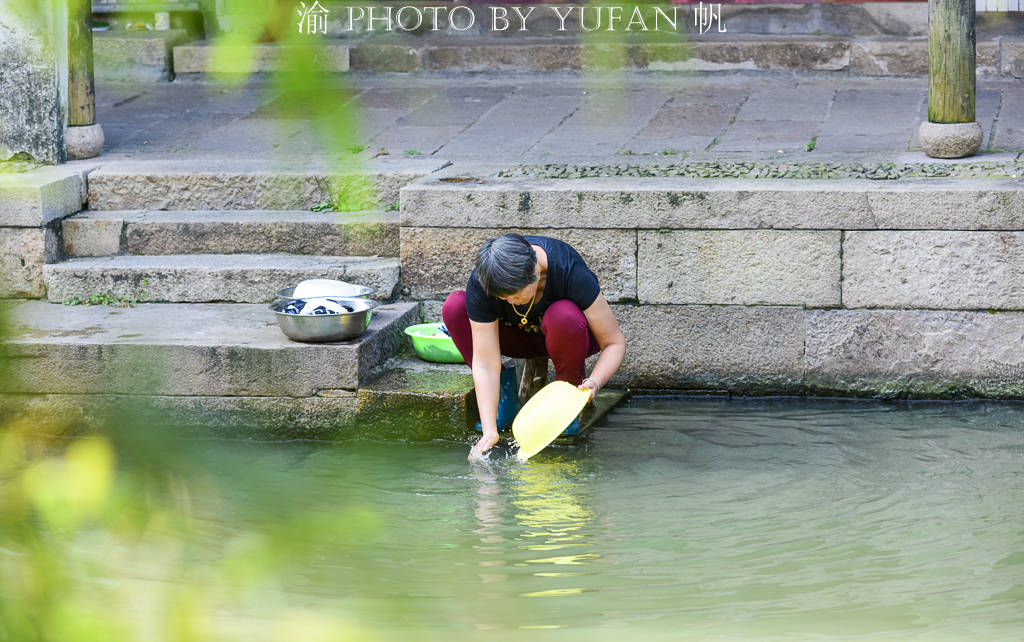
(431, 344)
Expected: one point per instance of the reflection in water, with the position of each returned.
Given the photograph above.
(547, 504)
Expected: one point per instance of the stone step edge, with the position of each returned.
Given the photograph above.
(241, 185)
(862, 55)
(430, 205)
(170, 278)
(124, 232)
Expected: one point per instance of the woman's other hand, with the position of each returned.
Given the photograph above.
(483, 446)
(591, 385)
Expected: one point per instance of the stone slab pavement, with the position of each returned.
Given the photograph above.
(545, 117)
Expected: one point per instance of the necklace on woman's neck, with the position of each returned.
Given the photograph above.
(522, 316)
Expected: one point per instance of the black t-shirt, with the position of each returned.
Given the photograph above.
(568, 277)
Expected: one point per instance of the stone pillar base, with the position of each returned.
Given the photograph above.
(85, 141)
(950, 140)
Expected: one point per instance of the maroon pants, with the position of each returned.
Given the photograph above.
(564, 336)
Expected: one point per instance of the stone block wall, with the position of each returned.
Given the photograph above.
(31, 207)
(910, 288)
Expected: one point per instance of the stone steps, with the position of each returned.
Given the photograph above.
(195, 278)
(187, 350)
(107, 233)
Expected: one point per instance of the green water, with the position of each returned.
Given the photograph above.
(676, 520)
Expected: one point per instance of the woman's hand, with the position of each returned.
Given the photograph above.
(592, 386)
(483, 446)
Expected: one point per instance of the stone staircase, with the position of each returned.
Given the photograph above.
(199, 341)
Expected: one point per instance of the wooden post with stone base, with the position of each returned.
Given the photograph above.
(535, 377)
(83, 137)
(951, 130)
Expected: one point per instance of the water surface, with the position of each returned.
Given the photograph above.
(677, 519)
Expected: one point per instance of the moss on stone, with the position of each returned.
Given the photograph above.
(760, 169)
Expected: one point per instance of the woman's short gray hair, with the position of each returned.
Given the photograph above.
(505, 265)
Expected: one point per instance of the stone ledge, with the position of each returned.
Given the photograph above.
(1012, 63)
(199, 57)
(264, 418)
(419, 401)
(684, 203)
(36, 198)
(186, 350)
(135, 56)
(915, 353)
(909, 57)
(945, 270)
(438, 261)
(107, 233)
(246, 185)
(198, 278)
(748, 267)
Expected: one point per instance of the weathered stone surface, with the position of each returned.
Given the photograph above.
(680, 203)
(32, 104)
(232, 232)
(753, 52)
(1012, 59)
(139, 56)
(996, 204)
(748, 350)
(262, 418)
(198, 57)
(92, 234)
(945, 270)
(885, 57)
(950, 140)
(436, 261)
(918, 353)
(749, 267)
(23, 252)
(385, 57)
(190, 350)
(35, 198)
(515, 55)
(909, 56)
(240, 278)
(187, 185)
(419, 401)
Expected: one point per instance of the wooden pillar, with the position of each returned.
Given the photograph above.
(951, 61)
(83, 137)
(951, 130)
(81, 84)
(535, 377)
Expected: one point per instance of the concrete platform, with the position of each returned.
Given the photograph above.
(197, 278)
(187, 350)
(411, 124)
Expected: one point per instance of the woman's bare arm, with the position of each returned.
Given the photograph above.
(609, 337)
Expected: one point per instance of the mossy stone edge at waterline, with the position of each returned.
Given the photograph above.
(756, 169)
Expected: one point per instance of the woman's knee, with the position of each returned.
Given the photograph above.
(564, 317)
